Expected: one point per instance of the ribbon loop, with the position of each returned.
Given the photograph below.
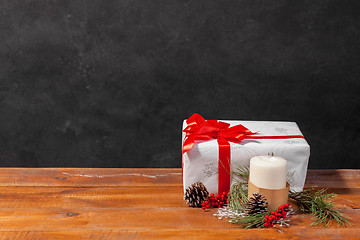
(200, 129)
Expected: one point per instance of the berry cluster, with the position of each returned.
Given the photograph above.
(276, 215)
(215, 201)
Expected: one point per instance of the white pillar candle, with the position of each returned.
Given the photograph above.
(268, 172)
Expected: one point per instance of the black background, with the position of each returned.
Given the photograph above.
(108, 83)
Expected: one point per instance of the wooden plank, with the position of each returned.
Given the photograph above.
(104, 197)
(151, 218)
(294, 234)
(110, 197)
(139, 224)
(124, 177)
(338, 178)
(92, 177)
(89, 177)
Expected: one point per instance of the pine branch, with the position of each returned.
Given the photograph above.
(238, 197)
(250, 221)
(243, 172)
(319, 204)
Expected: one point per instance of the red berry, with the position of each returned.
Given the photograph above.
(216, 203)
(203, 208)
(266, 224)
(207, 206)
(272, 212)
(217, 196)
(266, 216)
(286, 205)
(206, 202)
(212, 195)
(203, 204)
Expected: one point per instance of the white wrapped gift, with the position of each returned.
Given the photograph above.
(201, 162)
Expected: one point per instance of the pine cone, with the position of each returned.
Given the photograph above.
(196, 194)
(257, 204)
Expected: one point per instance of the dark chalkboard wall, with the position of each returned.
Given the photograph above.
(108, 83)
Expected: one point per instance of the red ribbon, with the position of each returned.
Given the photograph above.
(200, 129)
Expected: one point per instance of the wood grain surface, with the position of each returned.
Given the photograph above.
(109, 203)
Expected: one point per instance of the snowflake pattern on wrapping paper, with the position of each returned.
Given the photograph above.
(281, 130)
(210, 169)
(291, 142)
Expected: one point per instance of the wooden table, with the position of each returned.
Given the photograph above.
(76, 203)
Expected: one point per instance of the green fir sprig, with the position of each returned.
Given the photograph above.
(319, 204)
(243, 173)
(250, 221)
(238, 196)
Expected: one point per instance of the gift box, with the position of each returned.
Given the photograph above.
(212, 149)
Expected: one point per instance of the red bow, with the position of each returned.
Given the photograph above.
(200, 129)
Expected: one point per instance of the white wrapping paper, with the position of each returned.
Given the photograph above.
(201, 162)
